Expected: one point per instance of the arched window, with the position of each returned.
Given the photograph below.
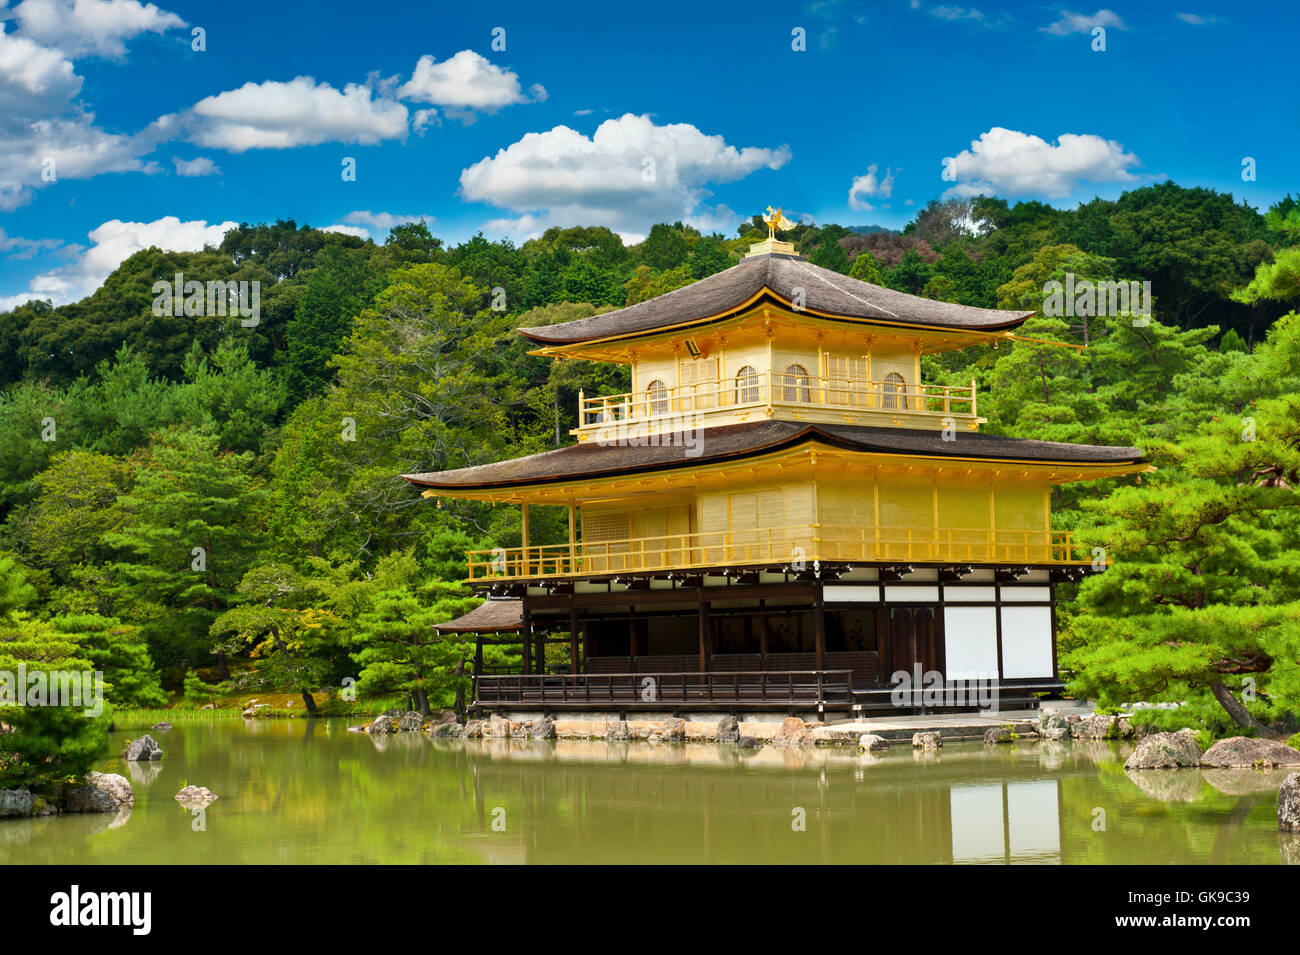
(893, 392)
(795, 384)
(657, 393)
(747, 385)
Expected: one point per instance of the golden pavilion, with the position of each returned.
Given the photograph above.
(781, 514)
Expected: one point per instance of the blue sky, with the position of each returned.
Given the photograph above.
(610, 114)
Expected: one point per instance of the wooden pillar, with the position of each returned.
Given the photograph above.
(763, 631)
(526, 638)
(704, 633)
(573, 639)
(478, 663)
(540, 637)
(819, 626)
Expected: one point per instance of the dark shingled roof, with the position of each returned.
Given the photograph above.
(590, 459)
(824, 291)
(494, 615)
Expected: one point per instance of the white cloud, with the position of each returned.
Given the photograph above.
(1083, 23)
(45, 135)
(366, 224)
(101, 27)
(869, 185)
(16, 247)
(111, 244)
(355, 230)
(630, 174)
(465, 83)
(276, 115)
(1195, 19)
(948, 12)
(1009, 163)
(200, 166)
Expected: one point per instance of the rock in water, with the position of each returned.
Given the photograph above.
(543, 728)
(998, 734)
(870, 743)
(728, 730)
(474, 729)
(793, 732)
(382, 724)
(618, 732)
(15, 802)
(411, 722)
(447, 731)
(161, 727)
(927, 741)
(141, 750)
(498, 727)
(673, 730)
(1166, 751)
(196, 797)
(1288, 804)
(1243, 752)
(103, 792)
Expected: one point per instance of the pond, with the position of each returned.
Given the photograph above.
(302, 791)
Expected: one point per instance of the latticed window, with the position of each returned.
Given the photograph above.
(795, 384)
(893, 391)
(699, 383)
(848, 383)
(747, 385)
(657, 395)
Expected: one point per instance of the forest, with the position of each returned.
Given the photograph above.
(205, 508)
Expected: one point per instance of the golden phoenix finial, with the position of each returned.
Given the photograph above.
(776, 222)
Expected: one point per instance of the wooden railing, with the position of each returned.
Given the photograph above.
(776, 689)
(795, 545)
(776, 389)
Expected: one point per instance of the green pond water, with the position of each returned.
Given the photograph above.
(300, 791)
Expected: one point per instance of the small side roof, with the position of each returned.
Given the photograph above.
(494, 615)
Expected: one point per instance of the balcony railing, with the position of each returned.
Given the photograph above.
(772, 389)
(776, 546)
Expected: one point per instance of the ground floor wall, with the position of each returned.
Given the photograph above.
(872, 627)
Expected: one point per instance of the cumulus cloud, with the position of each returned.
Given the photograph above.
(465, 84)
(1083, 23)
(201, 166)
(99, 27)
(869, 185)
(45, 135)
(1195, 19)
(278, 115)
(355, 230)
(628, 175)
(111, 244)
(1011, 163)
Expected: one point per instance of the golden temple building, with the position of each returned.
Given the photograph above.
(781, 513)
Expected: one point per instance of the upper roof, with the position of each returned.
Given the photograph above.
(591, 459)
(824, 291)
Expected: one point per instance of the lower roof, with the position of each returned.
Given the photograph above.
(592, 459)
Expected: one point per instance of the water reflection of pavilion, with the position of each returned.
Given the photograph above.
(699, 805)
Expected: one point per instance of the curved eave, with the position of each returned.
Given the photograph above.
(809, 434)
(554, 345)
